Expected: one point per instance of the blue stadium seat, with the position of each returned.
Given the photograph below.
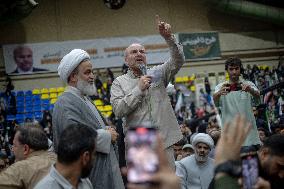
(45, 106)
(29, 116)
(38, 116)
(20, 118)
(28, 103)
(28, 109)
(10, 117)
(20, 98)
(28, 93)
(45, 101)
(37, 103)
(28, 98)
(20, 93)
(20, 109)
(36, 97)
(37, 108)
(20, 103)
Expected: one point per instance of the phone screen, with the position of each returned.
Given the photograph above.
(249, 171)
(142, 160)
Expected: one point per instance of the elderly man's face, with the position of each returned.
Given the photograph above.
(18, 148)
(201, 152)
(85, 78)
(24, 58)
(135, 55)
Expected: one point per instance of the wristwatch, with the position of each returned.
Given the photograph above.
(232, 168)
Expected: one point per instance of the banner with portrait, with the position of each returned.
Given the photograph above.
(200, 46)
(104, 53)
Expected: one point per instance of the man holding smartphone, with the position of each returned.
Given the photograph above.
(235, 97)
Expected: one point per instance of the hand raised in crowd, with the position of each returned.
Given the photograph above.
(165, 178)
(164, 28)
(144, 82)
(232, 137)
(114, 134)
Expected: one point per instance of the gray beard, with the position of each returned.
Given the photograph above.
(86, 88)
(201, 159)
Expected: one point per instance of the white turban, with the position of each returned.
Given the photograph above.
(204, 138)
(70, 61)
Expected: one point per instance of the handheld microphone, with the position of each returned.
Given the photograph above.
(143, 69)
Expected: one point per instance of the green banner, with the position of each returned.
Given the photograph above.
(200, 45)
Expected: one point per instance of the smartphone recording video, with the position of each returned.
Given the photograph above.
(249, 170)
(142, 160)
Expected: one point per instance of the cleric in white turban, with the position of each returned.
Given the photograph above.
(70, 61)
(204, 138)
(197, 170)
(75, 107)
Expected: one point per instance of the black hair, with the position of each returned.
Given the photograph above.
(234, 61)
(34, 137)
(74, 141)
(275, 144)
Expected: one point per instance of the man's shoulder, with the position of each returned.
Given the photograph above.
(48, 182)
(66, 97)
(187, 160)
(124, 76)
(121, 78)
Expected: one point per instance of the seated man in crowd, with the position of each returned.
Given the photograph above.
(197, 171)
(75, 154)
(33, 161)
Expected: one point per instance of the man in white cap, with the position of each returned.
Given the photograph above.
(74, 106)
(197, 171)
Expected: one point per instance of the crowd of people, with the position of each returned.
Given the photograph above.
(74, 146)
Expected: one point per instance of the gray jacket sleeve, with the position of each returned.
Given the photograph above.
(123, 104)
(65, 114)
(182, 174)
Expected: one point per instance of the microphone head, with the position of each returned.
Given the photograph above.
(143, 69)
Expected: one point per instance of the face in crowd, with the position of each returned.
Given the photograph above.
(201, 152)
(177, 150)
(273, 166)
(134, 56)
(234, 72)
(23, 57)
(84, 78)
(187, 152)
(18, 148)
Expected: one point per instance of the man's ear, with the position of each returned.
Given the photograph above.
(263, 153)
(27, 150)
(86, 156)
(73, 77)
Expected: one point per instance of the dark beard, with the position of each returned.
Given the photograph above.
(87, 170)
